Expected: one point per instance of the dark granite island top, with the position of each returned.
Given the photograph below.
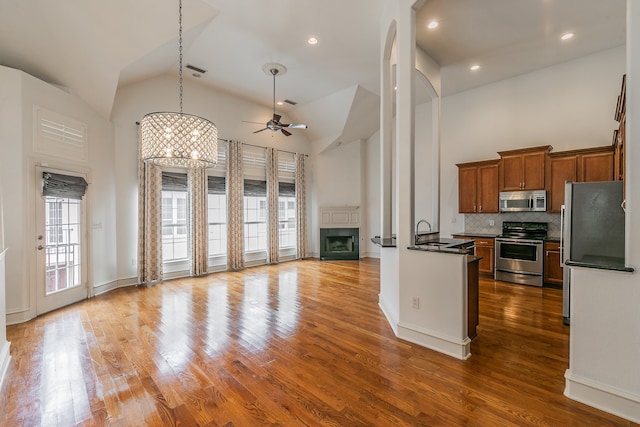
(600, 262)
(384, 242)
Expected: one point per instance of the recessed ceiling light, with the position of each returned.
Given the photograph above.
(432, 25)
(280, 103)
(474, 67)
(312, 40)
(567, 36)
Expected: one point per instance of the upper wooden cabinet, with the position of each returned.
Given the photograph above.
(586, 165)
(523, 169)
(478, 187)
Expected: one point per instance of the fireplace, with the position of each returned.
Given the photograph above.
(339, 243)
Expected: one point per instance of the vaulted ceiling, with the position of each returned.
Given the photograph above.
(93, 47)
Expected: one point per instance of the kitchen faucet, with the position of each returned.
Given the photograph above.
(420, 222)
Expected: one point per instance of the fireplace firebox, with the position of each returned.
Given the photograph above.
(339, 243)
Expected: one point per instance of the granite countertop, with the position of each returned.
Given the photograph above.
(600, 262)
(386, 242)
(444, 245)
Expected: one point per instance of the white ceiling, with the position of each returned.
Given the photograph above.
(93, 47)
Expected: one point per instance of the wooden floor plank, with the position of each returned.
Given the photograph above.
(298, 343)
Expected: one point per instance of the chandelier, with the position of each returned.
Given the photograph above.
(178, 139)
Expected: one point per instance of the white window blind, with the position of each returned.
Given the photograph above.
(59, 135)
(286, 167)
(254, 162)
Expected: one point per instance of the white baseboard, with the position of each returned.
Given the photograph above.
(20, 316)
(5, 358)
(371, 255)
(115, 284)
(392, 318)
(460, 349)
(601, 396)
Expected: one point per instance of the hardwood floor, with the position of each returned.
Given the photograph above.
(299, 343)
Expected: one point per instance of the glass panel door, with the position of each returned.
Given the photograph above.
(60, 250)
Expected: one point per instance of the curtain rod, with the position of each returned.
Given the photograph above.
(260, 146)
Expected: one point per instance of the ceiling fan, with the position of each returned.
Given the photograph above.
(274, 124)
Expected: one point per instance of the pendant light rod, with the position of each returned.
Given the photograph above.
(180, 50)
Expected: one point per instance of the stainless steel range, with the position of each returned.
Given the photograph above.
(519, 252)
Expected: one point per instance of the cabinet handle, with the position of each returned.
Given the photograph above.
(547, 253)
(480, 208)
(474, 208)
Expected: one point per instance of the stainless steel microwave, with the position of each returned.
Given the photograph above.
(523, 201)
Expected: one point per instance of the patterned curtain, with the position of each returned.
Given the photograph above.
(301, 207)
(235, 207)
(197, 184)
(149, 223)
(272, 206)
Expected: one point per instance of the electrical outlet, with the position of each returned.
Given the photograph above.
(491, 223)
(415, 303)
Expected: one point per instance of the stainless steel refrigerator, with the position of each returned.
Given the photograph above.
(592, 228)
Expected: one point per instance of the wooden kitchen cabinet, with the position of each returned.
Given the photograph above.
(585, 165)
(523, 169)
(552, 269)
(485, 248)
(478, 187)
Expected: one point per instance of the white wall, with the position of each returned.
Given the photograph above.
(338, 182)
(161, 94)
(20, 93)
(568, 106)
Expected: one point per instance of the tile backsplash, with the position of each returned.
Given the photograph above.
(479, 223)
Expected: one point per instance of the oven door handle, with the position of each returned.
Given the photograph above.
(525, 241)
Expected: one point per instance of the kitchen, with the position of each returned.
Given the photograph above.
(494, 125)
(568, 106)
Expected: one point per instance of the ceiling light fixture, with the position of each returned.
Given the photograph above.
(280, 103)
(567, 36)
(312, 40)
(178, 139)
(474, 67)
(432, 25)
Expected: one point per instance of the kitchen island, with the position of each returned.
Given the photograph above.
(435, 303)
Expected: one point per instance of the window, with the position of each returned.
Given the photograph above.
(287, 222)
(217, 216)
(175, 238)
(255, 220)
(54, 221)
(62, 254)
(255, 202)
(175, 217)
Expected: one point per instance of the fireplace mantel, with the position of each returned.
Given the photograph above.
(340, 217)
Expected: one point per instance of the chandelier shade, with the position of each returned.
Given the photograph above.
(176, 139)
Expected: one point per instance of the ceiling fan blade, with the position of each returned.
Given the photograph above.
(261, 130)
(258, 123)
(276, 117)
(286, 132)
(295, 126)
